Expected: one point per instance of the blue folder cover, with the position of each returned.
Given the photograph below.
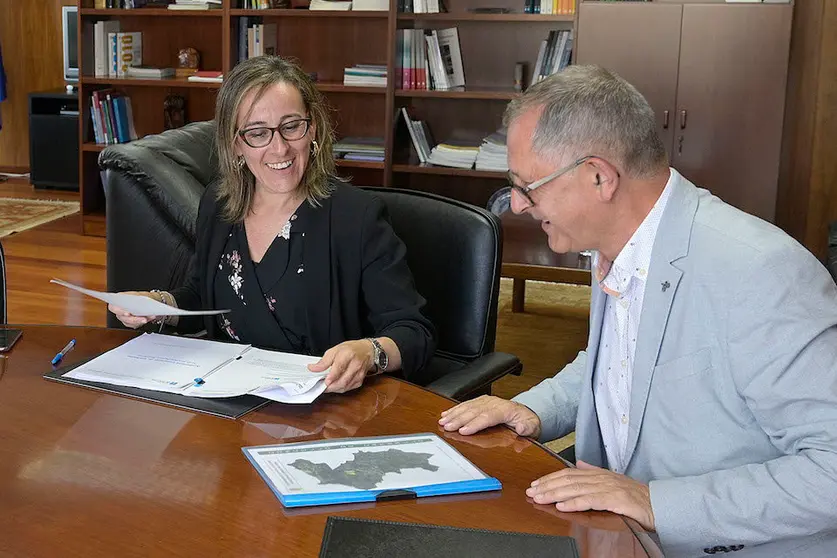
(325, 498)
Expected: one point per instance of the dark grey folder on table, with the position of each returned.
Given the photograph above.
(348, 537)
(228, 407)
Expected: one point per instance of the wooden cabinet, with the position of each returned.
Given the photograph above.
(719, 71)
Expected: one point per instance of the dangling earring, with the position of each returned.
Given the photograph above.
(315, 149)
(240, 162)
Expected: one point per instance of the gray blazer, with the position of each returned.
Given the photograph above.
(733, 417)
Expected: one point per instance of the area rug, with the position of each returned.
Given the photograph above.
(18, 215)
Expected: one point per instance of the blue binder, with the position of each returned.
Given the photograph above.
(483, 483)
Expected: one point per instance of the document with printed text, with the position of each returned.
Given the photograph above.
(202, 368)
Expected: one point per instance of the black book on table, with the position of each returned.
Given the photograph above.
(229, 407)
(348, 537)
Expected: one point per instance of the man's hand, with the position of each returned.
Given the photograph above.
(592, 488)
(484, 411)
(349, 362)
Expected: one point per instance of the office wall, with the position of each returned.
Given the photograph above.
(30, 36)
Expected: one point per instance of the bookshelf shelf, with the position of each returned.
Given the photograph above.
(359, 164)
(149, 12)
(447, 171)
(500, 93)
(335, 87)
(310, 13)
(175, 82)
(507, 18)
(325, 43)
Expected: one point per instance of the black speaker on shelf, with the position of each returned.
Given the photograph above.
(53, 139)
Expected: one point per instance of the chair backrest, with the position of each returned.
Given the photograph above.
(454, 250)
(3, 314)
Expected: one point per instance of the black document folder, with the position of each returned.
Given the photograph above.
(229, 407)
(347, 537)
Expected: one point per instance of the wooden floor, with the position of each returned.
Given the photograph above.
(56, 249)
(545, 337)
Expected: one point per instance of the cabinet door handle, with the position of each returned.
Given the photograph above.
(665, 120)
(683, 119)
(680, 145)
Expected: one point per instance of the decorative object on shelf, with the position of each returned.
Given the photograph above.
(174, 112)
(188, 62)
(518, 76)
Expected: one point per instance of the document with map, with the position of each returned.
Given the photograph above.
(366, 469)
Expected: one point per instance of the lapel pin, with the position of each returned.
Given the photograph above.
(665, 285)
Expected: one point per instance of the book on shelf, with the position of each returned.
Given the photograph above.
(420, 6)
(360, 148)
(147, 72)
(263, 4)
(493, 153)
(420, 135)
(365, 75)
(195, 5)
(554, 7)
(330, 5)
(102, 30)
(553, 55)
(207, 76)
(112, 117)
(429, 59)
(258, 39)
(370, 5)
(460, 151)
(125, 49)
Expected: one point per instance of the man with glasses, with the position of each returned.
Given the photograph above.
(705, 404)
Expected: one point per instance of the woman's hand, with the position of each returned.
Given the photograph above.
(128, 319)
(350, 361)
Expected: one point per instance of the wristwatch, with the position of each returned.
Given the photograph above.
(380, 358)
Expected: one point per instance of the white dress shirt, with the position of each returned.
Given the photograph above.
(623, 281)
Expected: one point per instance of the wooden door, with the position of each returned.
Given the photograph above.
(730, 101)
(641, 43)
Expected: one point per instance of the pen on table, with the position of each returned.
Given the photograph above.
(67, 348)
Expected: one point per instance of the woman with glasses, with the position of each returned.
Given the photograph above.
(305, 262)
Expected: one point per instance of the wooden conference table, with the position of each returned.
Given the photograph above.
(85, 473)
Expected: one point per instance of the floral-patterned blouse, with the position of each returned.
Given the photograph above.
(276, 282)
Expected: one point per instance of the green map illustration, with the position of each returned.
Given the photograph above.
(366, 469)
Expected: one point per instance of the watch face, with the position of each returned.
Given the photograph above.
(383, 360)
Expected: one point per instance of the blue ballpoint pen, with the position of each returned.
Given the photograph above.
(64, 351)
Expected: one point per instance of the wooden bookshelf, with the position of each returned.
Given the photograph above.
(326, 42)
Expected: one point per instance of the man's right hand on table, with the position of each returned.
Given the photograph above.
(485, 411)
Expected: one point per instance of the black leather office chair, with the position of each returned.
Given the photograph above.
(153, 187)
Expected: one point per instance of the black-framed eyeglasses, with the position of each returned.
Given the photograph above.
(261, 136)
(526, 191)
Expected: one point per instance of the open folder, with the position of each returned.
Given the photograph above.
(202, 368)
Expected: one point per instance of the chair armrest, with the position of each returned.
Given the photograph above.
(476, 375)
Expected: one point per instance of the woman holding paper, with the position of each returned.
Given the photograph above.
(305, 262)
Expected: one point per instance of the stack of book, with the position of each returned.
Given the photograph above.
(207, 76)
(419, 135)
(195, 5)
(365, 75)
(330, 5)
(554, 54)
(493, 153)
(146, 72)
(457, 153)
(113, 120)
(360, 149)
(420, 6)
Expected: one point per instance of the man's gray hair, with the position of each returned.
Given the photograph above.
(588, 110)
